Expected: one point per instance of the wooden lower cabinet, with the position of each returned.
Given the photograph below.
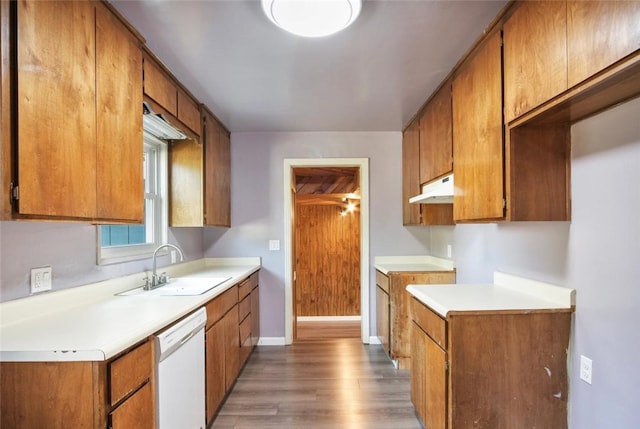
(490, 369)
(398, 316)
(118, 393)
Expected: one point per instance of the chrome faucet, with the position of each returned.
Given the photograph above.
(156, 280)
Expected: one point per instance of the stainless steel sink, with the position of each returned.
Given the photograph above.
(180, 286)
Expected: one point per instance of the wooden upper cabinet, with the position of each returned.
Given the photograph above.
(535, 55)
(159, 86)
(599, 34)
(120, 186)
(436, 157)
(189, 112)
(56, 119)
(217, 167)
(478, 134)
(185, 183)
(410, 173)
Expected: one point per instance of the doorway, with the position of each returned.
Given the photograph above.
(360, 167)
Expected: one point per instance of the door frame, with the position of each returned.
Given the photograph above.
(363, 166)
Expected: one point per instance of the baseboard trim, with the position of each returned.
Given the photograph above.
(271, 341)
(328, 318)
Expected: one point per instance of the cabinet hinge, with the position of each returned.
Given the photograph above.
(15, 192)
(446, 366)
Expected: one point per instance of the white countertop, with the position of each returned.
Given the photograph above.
(506, 293)
(92, 323)
(389, 264)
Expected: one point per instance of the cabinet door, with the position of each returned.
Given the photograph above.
(410, 173)
(535, 55)
(56, 123)
(478, 135)
(217, 185)
(160, 87)
(136, 412)
(214, 366)
(231, 348)
(255, 316)
(185, 178)
(382, 318)
(418, 371)
(599, 34)
(435, 385)
(119, 178)
(189, 112)
(436, 157)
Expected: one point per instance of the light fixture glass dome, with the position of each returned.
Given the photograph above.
(312, 18)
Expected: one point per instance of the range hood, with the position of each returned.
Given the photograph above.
(157, 125)
(439, 191)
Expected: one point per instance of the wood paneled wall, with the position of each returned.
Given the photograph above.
(327, 261)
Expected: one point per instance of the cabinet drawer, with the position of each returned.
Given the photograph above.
(244, 289)
(382, 281)
(130, 371)
(245, 330)
(137, 411)
(218, 306)
(430, 322)
(244, 308)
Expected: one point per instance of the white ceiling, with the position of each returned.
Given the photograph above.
(373, 76)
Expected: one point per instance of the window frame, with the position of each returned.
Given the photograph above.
(156, 194)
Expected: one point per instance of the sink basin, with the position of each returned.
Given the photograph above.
(181, 286)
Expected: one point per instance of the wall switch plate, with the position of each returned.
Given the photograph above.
(585, 368)
(40, 279)
(274, 244)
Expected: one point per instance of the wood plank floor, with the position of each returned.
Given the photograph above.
(319, 384)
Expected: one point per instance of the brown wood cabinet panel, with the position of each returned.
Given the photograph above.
(120, 188)
(519, 364)
(53, 392)
(244, 308)
(135, 412)
(436, 150)
(255, 315)
(535, 55)
(189, 112)
(218, 306)
(327, 262)
(400, 309)
(159, 86)
(478, 135)
(130, 371)
(418, 371)
(382, 281)
(56, 123)
(217, 182)
(600, 33)
(245, 339)
(231, 348)
(5, 114)
(215, 369)
(382, 317)
(245, 288)
(186, 183)
(411, 173)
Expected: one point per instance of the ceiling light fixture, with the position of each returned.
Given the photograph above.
(312, 18)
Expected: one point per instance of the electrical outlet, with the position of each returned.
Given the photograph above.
(274, 244)
(40, 279)
(448, 250)
(585, 368)
(174, 256)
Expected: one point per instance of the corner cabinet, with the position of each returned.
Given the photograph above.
(78, 94)
(393, 315)
(490, 369)
(118, 394)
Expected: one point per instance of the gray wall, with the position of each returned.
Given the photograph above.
(70, 249)
(257, 186)
(597, 253)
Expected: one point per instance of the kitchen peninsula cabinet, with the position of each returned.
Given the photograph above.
(77, 94)
(117, 394)
(489, 368)
(393, 315)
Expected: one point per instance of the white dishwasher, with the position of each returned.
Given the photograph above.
(180, 374)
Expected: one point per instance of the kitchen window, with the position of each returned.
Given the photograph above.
(121, 243)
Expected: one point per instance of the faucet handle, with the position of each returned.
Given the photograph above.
(164, 278)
